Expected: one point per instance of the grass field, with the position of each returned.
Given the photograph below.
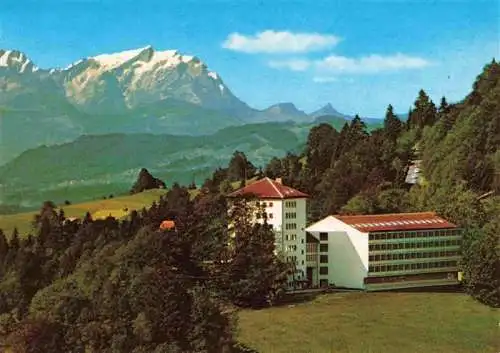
(387, 322)
(98, 209)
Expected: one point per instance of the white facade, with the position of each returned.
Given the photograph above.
(288, 219)
(347, 253)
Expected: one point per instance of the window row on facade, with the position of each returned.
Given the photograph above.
(262, 215)
(415, 234)
(290, 215)
(293, 259)
(264, 204)
(290, 236)
(290, 204)
(415, 245)
(290, 225)
(412, 266)
(291, 248)
(413, 255)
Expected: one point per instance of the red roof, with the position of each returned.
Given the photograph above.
(167, 225)
(268, 189)
(396, 221)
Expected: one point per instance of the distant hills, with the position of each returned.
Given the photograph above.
(97, 165)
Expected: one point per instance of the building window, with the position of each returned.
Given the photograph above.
(292, 248)
(323, 247)
(290, 225)
(270, 215)
(323, 270)
(270, 204)
(258, 215)
(290, 204)
(323, 236)
(323, 259)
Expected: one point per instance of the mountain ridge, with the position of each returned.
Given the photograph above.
(112, 161)
(133, 91)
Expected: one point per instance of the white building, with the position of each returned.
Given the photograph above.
(286, 211)
(378, 252)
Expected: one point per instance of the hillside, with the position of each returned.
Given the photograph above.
(94, 166)
(117, 207)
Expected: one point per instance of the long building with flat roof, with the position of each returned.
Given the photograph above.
(388, 251)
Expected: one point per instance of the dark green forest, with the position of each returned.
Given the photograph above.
(126, 286)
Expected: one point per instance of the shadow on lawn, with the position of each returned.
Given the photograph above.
(437, 289)
(243, 348)
(296, 298)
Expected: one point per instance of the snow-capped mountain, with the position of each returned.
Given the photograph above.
(16, 61)
(112, 83)
(134, 91)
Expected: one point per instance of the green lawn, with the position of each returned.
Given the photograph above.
(374, 322)
(98, 209)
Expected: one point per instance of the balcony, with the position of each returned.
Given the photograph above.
(312, 254)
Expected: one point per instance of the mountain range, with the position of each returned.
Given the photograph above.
(135, 91)
(60, 128)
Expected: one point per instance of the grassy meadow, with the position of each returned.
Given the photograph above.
(383, 322)
(98, 209)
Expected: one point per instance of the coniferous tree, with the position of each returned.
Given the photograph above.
(424, 113)
(392, 124)
(4, 246)
(240, 168)
(146, 181)
(255, 276)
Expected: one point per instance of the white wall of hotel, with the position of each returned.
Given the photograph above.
(290, 231)
(347, 252)
(291, 239)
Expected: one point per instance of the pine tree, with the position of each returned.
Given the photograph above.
(392, 124)
(4, 246)
(240, 168)
(424, 113)
(255, 276)
(4, 250)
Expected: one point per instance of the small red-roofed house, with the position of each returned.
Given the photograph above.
(387, 251)
(167, 225)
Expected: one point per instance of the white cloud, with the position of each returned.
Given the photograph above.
(325, 79)
(279, 42)
(328, 69)
(370, 64)
(291, 64)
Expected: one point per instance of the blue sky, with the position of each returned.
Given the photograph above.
(358, 55)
